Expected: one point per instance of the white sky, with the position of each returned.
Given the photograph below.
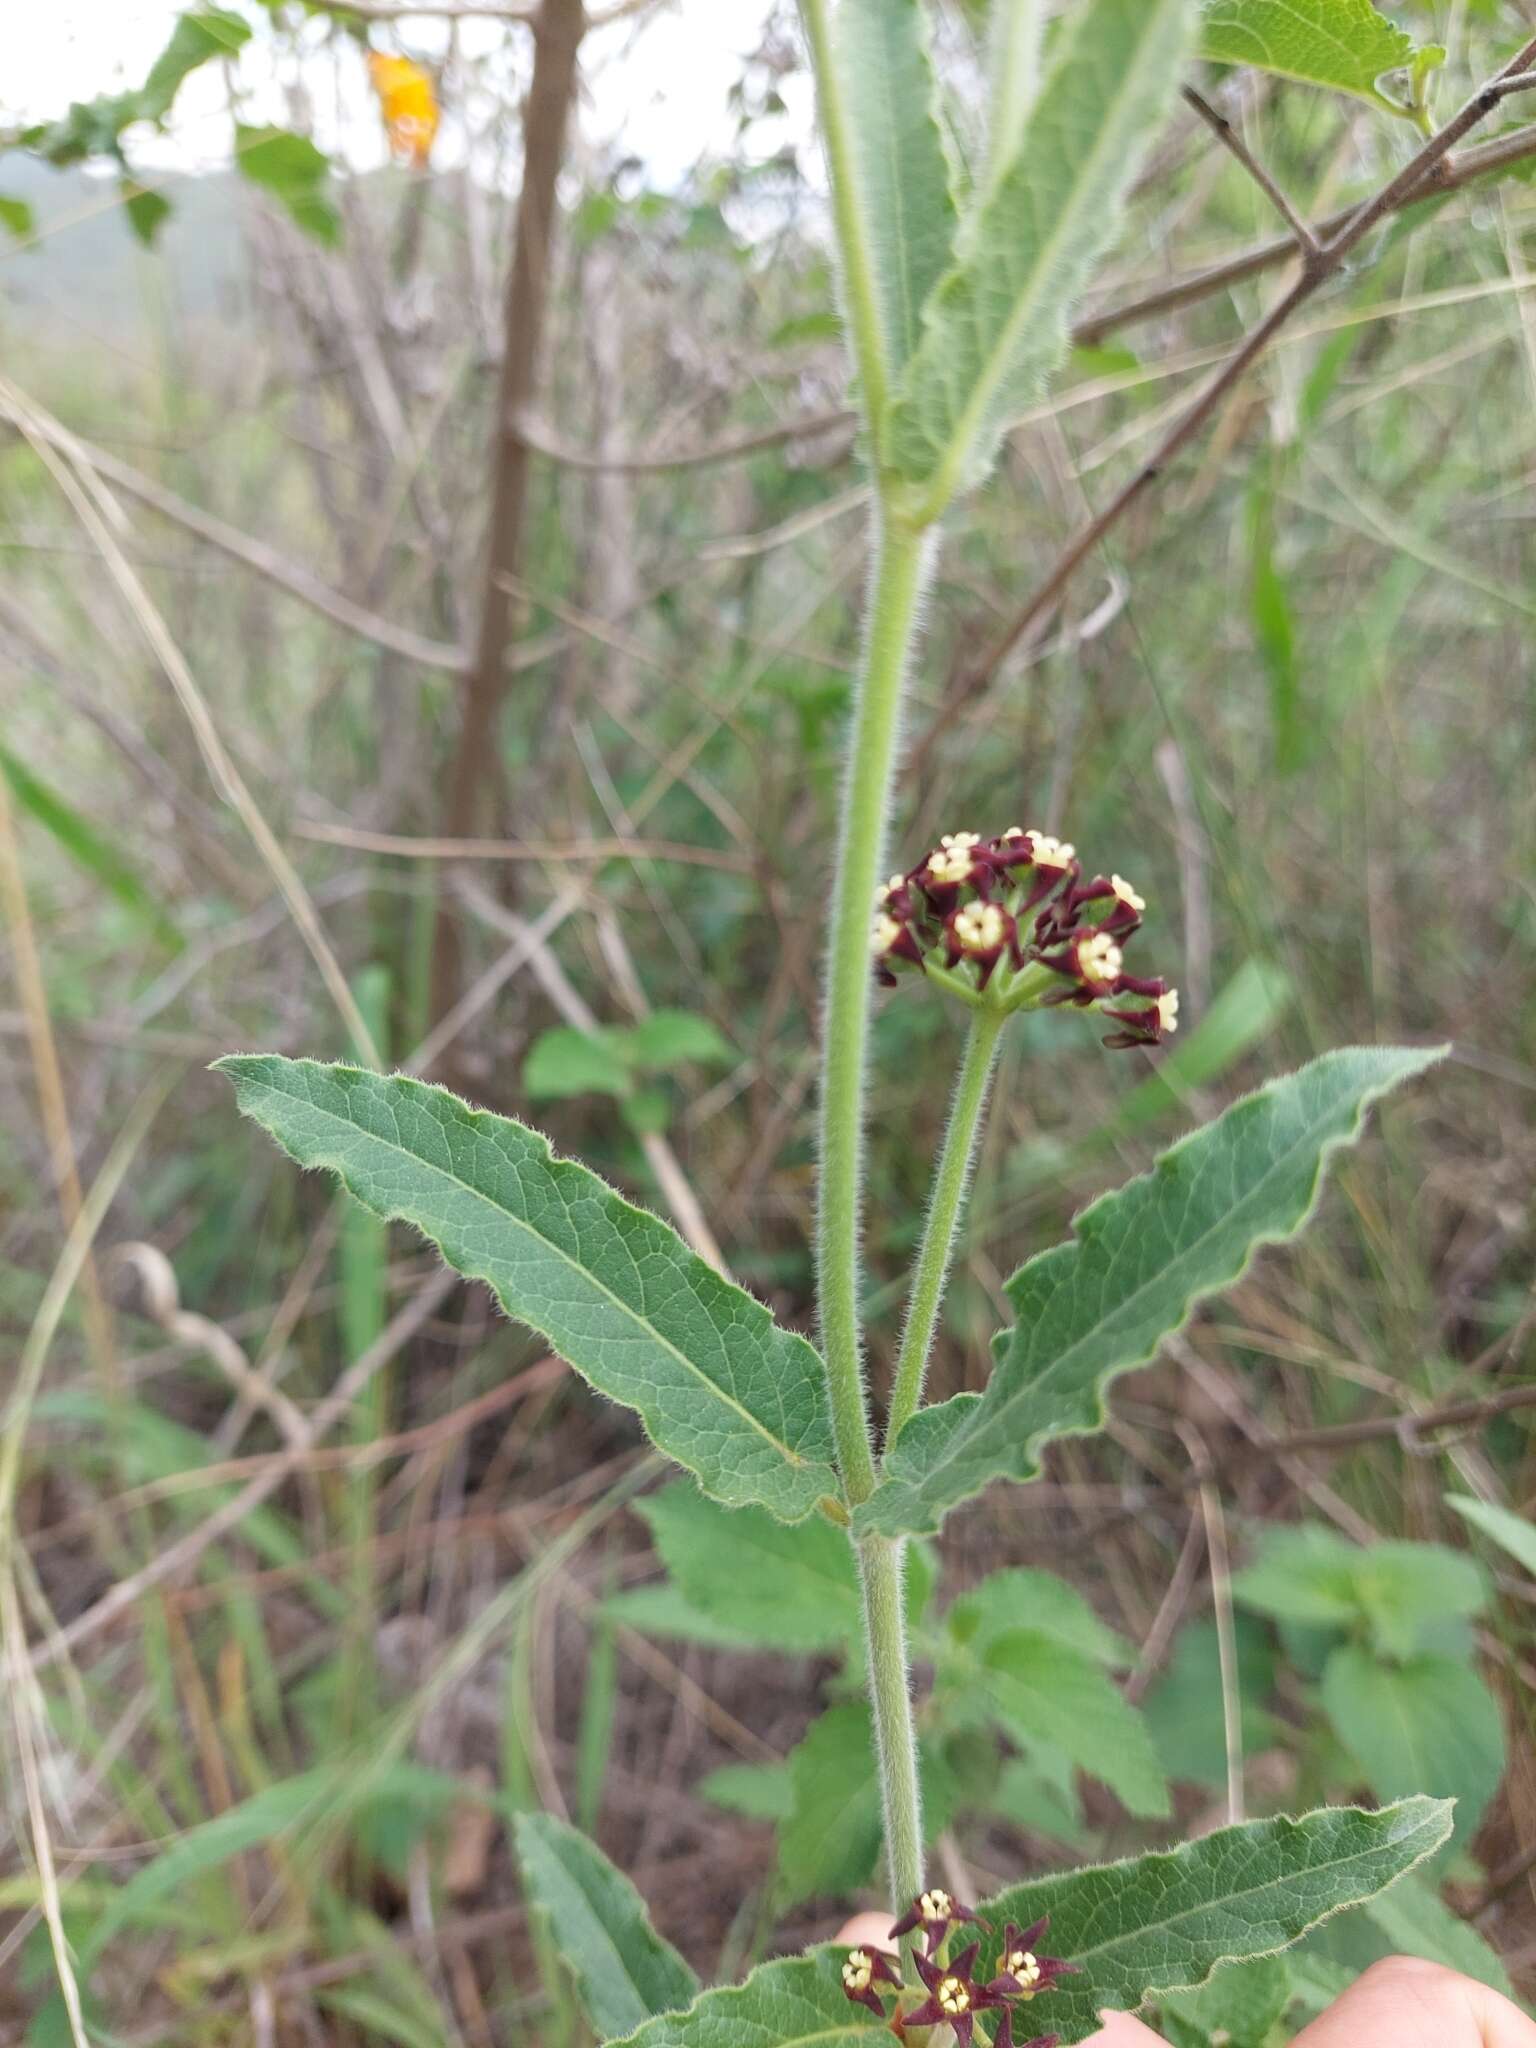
(659, 89)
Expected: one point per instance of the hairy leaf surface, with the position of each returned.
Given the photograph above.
(719, 1386)
(1165, 1922)
(796, 2003)
(624, 1972)
(1138, 1261)
(996, 326)
(903, 176)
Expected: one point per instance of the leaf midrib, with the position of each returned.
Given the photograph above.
(953, 458)
(1131, 1301)
(792, 1456)
(1152, 1928)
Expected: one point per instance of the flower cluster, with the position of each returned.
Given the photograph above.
(955, 1997)
(1012, 921)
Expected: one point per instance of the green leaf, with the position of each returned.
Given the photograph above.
(756, 1791)
(789, 1588)
(1241, 2005)
(564, 1062)
(718, 1385)
(996, 326)
(80, 839)
(199, 35)
(146, 210)
(16, 217)
(1137, 1263)
(1429, 1725)
(829, 1841)
(1511, 1532)
(1415, 1921)
(1164, 1922)
(796, 2003)
(672, 1038)
(624, 1972)
(662, 1610)
(1345, 45)
(1039, 1689)
(1038, 1600)
(295, 173)
(207, 1847)
(1409, 1920)
(1183, 1708)
(900, 170)
(1400, 1590)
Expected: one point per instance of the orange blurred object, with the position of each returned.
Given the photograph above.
(408, 100)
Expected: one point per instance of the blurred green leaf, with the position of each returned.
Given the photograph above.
(1038, 1600)
(1344, 45)
(829, 1842)
(566, 1062)
(1039, 1689)
(1513, 1533)
(199, 35)
(672, 1038)
(88, 848)
(756, 1791)
(1429, 1723)
(791, 1588)
(146, 210)
(1240, 2006)
(623, 1971)
(1312, 1575)
(16, 216)
(1183, 1707)
(294, 172)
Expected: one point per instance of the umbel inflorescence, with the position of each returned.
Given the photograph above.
(955, 1998)
(1010, 922)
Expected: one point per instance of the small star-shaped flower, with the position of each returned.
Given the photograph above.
(954, 1997)
(863, 1969)
(1022, 1972)
(1003, 2038)
(934, 1912)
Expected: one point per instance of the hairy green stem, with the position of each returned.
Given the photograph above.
(931, 1269)
(896, 588)
(882, 1575)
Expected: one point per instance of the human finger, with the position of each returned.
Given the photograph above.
(1405, 2003)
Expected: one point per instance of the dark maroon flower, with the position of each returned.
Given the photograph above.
(935, 1912)
(1149, 1025)
(1022, 1972)
(954, 1997)
(863, 1969)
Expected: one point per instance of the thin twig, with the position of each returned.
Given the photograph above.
(1227, 134)
(1409, 183)
(544, 442)
(553, 850)
(1221, 1605)
(267, 562)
